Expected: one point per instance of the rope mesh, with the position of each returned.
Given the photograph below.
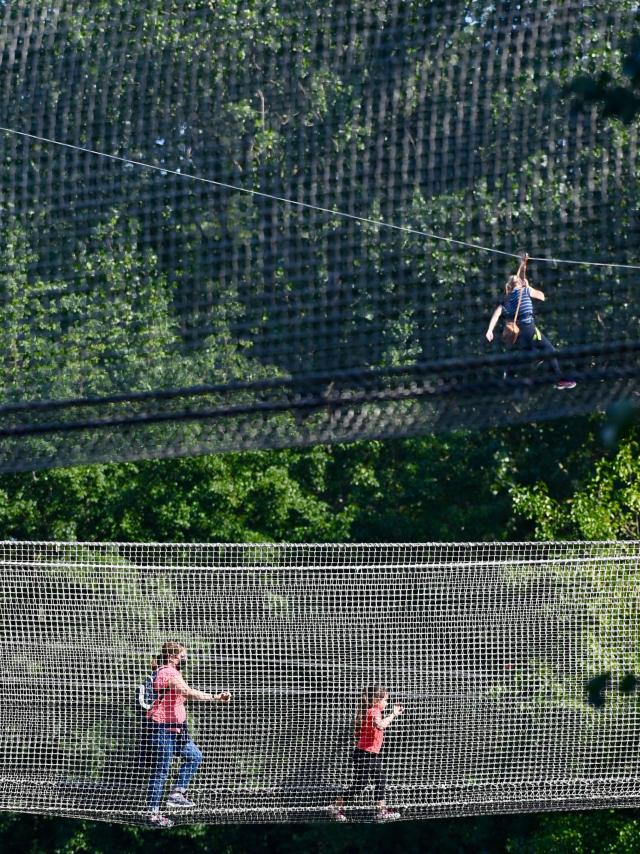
(146, 313)
(489, 646)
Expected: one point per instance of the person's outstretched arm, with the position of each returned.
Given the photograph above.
(536, 294)
(492, 323)
(383, 723)
(181, 687)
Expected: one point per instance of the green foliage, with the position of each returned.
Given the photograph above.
(401, 490)
(234, 498)
(605, 832)
(603, 503)
(617, 93)
(604, 506)
(35, 835)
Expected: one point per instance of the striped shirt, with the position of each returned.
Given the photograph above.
(526, 306)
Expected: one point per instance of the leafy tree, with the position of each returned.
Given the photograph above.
(605, 832)
(399, 490)
(618, 95)
(605, 505)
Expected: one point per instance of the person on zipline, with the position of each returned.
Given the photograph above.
(169, 735)
(367, 757)
(520, 327)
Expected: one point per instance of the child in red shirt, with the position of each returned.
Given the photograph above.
(367, 759)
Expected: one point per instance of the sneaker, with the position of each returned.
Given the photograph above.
(179, 799)
(387, 815)
(156, 819)
(337, 814)
(565, 384)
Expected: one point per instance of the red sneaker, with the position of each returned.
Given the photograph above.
(566, 384)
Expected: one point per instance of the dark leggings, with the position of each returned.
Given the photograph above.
(366, 767)
(531, 338)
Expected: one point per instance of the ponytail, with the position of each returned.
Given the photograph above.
(511, 285)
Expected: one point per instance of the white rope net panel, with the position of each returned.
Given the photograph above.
(489, 646)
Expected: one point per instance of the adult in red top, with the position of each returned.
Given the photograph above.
(169, 735)
(367, 759)
(171, 690)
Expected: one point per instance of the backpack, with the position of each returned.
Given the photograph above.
(145, 697)
(146, 694)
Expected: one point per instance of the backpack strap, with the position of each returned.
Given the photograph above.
(515, 316)
(522, 269)
(157, 692)
(160, 691)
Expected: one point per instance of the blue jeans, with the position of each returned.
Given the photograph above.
(165, 745)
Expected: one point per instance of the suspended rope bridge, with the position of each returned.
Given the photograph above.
(515, 664)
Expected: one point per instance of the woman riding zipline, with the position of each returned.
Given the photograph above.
(520, 326)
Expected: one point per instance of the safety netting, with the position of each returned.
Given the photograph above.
(517, 665)
(191, 192)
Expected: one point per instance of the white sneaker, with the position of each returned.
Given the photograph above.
(156, 819)
(179, 799)
(337, 814)
(387, 815)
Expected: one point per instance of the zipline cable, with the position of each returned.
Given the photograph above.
(343, 214)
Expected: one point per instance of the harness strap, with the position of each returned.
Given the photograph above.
(158, 692)
(522, 269)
